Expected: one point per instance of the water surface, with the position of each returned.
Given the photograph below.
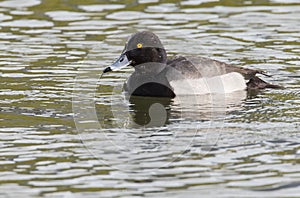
(65, 132)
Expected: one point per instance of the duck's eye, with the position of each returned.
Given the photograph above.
(139, 45)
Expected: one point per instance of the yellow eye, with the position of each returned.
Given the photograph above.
(139, 45)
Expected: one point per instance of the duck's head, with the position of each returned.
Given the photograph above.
(141, 47)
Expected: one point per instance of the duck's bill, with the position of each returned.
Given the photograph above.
(119, 64)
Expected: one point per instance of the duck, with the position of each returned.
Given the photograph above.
(157, 75)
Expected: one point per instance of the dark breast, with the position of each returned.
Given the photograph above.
(141, 84)
(153, 90)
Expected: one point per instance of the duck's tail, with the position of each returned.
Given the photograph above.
(257, 83)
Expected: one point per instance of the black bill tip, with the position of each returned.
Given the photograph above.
(107, 69)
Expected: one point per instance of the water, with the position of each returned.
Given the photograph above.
(65, 132)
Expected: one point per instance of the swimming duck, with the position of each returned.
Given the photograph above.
(157, 75)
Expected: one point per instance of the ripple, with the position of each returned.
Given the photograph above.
(162, 8)
(20, 12)
(285, 1)
(131, 15)
(67, 16)
(27, 23)
(99, 8)
(148, 1)
(4, 17)
(196, 2)
(19, 4)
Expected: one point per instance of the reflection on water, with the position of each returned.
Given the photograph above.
(153, 111)
(62, 137)
(150, 112)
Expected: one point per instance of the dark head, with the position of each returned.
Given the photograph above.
(141, 47)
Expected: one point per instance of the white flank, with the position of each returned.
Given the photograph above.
(226, 83)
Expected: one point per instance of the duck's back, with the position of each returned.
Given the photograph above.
(196, 67)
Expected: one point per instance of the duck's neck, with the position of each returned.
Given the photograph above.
(150, 68)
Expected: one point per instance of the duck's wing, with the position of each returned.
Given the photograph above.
(199, 67)
(195, 67)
